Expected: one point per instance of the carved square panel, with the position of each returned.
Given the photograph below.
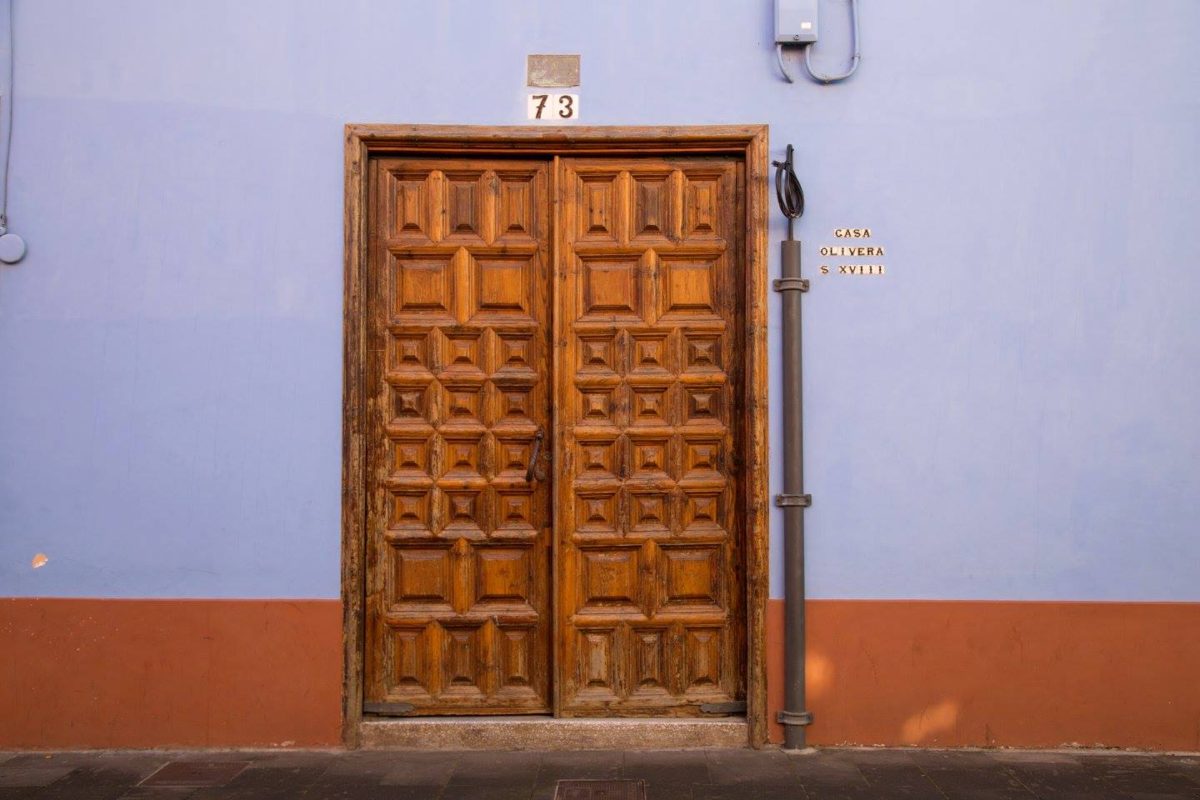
(410, 456)
(597, 213)
(514, 510)
(516, 651)
(514, 404)
(649, 512)
(410, 205)
(462, 512)
(690, 575)
(650, 405)
(703, 510)
(610, 288)
(515, 215)
(596, 459)
(464, 206)
(462, 403)
(651, 207)
(702, 653)
(412, 403)
(702, 352)
(463, 662)
(410, 662)
(462, 455)
(503, 575)
(650, 456)
(597, 354)
(650, 354)
(422, 287)
(704, 405)
(596, 663)
(648, 655)
(608, 578)
(595, 512)
(597, 405)
(502, 288)
(408, 353)
(462, 355)
(515, 355)
(409, 510)
(701, 206)
(688, 287)
(422, 575)
(512, 455)
(703, 458)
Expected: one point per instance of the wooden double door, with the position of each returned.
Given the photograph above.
(553, 382)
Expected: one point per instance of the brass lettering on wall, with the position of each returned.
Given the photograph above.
(854, 251)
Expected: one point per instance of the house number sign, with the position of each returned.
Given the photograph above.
(545, 107)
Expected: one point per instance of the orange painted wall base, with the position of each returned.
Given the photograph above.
(169, 673)
(267, 673)
(1011, 674)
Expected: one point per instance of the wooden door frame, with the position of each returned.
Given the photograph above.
(747, 142)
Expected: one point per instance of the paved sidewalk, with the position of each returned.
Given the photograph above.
(667, 775)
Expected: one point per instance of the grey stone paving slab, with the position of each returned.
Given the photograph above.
(477, 792)
(263, 783)
(195, 773)
(26, 771)
(970, 774)
(1061, 781)
(764, 767)
(349, 789)
(1032, 756)
(1139, 776)
(501, 770)
(420, 769)
(832, 775)
(1186, 765)
(747, 792)
(158, 793)
(899, 780)
(90, 783)
(669, 774)
(18, 793)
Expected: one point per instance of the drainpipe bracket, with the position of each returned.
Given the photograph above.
(790, 284)
(785, 500)
(794, 718)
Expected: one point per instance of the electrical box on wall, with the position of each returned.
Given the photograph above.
(795, 21)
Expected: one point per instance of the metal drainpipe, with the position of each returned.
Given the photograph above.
(792, 500)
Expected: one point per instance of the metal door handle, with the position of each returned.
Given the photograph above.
(531, 471)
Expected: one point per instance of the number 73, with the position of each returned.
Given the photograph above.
(553, 106)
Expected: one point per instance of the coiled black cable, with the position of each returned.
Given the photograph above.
(788, 190)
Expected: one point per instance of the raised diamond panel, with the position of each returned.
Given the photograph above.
(503, 575)
(687, 287)
(690, 575)
(612, 289)
(463, 659)
(422, 574)
(410, 671)
(422, 287)
(502, 289)
(597, 213)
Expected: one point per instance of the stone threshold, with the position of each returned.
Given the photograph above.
(547, 733)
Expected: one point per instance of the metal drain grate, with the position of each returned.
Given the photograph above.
(195, 773)
(600, 790)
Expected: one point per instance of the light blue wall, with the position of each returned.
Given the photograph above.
(1012, 412)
